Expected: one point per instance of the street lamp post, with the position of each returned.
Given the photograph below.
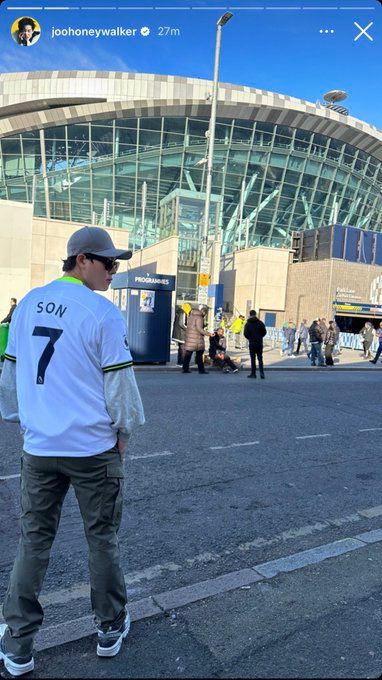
(211, 132)
(144, 200)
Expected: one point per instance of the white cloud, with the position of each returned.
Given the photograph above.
(61, 56)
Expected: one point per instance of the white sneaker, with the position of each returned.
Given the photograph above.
(15, 665)
(110, 643)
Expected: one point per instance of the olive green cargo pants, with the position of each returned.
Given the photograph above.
(98, 485)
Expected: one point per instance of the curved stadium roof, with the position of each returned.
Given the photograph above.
(39, 99)
(294, 164)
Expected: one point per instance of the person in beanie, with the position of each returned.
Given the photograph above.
(194, 339)
(255, 331)
(68, 380)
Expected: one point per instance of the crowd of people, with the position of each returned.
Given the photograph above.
(189, 333)
(324, 340)
(319, 341)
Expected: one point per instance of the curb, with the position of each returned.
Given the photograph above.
(161, 604)
(174, 369)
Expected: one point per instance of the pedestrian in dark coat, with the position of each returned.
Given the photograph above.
(179, 332)
(315, 337)
(330, 341)
(194, 340)
(8, 318)
(255, 331)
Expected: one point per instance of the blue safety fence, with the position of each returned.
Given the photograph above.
(350, 340)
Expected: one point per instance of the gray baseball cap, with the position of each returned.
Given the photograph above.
(96, 241)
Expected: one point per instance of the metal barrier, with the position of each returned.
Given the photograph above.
(274, 338)
(348, 340)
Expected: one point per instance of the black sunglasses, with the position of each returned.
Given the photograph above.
(108, 262)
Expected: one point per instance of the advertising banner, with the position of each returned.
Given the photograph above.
(357, 309)
(147, 301)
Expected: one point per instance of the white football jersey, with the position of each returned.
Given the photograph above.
(64, 337)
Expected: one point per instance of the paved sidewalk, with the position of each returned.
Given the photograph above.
(319, 620)
(348, 360)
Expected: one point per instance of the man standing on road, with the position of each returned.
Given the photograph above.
(8, 318)
(255, 331)
(68, 379)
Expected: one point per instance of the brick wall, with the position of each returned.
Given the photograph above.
(311, 287)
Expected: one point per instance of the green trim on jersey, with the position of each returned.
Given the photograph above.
(9, 357)
(70, 279)
(117, 367)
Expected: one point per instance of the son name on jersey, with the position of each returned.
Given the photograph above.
(51, 308)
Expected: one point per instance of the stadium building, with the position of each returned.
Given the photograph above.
(77, 146)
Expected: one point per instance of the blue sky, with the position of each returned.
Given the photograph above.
(273, 49)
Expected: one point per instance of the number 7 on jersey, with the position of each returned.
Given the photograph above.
(53, 334)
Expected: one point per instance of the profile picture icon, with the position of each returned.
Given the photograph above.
(26, 31)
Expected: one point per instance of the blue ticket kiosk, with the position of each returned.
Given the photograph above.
(145, 300)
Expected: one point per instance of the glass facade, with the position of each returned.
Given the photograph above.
(271, 179)
(182, 213)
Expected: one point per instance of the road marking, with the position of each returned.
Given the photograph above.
(145, 455)
(313, 436)
(151, 455)
(308, 557)
(231, 446)
(370, 429)
(150, 573)
(376, 511)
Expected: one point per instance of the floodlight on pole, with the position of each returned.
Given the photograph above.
(211, 136)
(144, 200)
(210, 146)
(223, 19)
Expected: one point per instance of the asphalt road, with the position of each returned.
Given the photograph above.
(226, 473)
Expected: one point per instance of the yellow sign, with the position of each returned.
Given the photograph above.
(203, 279)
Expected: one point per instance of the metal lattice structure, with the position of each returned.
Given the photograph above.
(80, 145)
